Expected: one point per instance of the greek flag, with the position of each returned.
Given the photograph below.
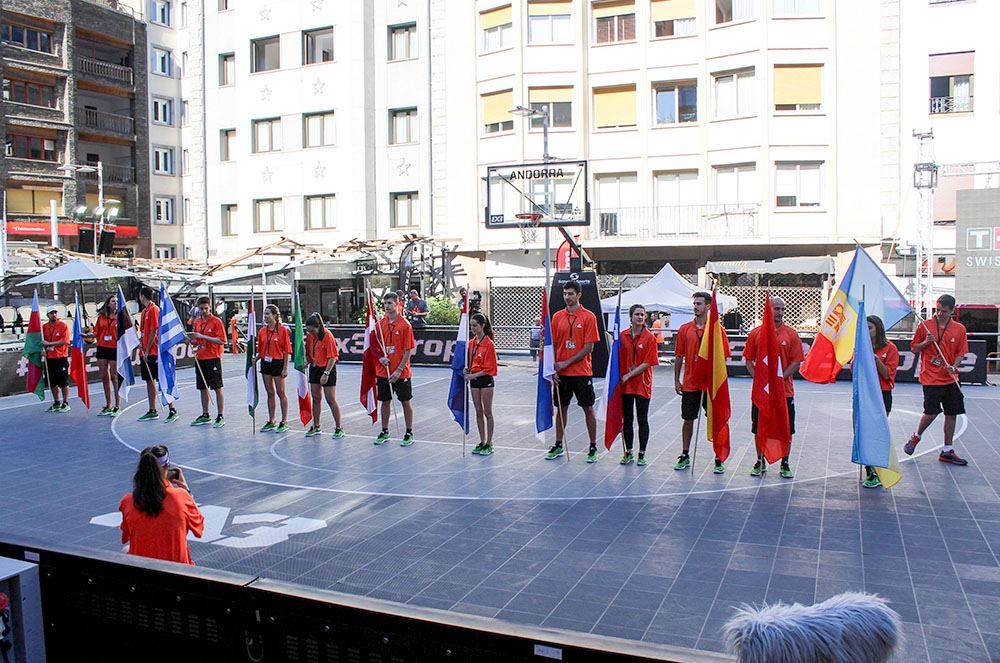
(171, 333)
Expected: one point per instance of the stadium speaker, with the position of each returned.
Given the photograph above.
(85, 240)
(107, 242)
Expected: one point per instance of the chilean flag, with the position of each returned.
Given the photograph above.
(546, 369)
(370, 357)
(77, 362)
(457, 402)
(611, 402)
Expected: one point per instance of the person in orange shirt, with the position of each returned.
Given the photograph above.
(159, 512)
(392, 374)
(322, 355)
(791, 356)
(942, 344)
(574, 332)
(55, 340)
(209, 337)
(480, 370)
(105, 334)
(273, 347)
(637, 355)
(149, 353)
(886, 363)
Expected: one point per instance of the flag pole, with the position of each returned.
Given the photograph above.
(697, 432)
(252, 352)
(621, 283)
(381, 343)
(860, 475)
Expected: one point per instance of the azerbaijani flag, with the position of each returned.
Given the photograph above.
(872, 437)
(33, 351)
(774, 436)
(834, 345)
(251, 365)
(77, 361)
(610, 409)
(299, 364)
(370, 356)
(457, 402)
(711, 376)
(546, 369)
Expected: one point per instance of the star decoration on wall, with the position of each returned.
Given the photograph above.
(265, 14)
(317, 5)
(404, 167)
(267, 174)
(400, 3)
(265, 94)
(319, 170)
(318, 86)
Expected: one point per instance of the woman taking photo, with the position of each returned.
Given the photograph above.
(159, 512)
(321, 353)
(273, 348)
(479, 372)
(105, 334)
(886, 363)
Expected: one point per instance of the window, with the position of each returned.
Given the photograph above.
(614, 106)
(184, 14)
(556, 101)
(403, 126)
(268, 216)
(677, 198)
(185, 162)
(185, 115)
(320, 129)
(227, 69)
(30, 147)
(26, 37)
(163, 111)
(402, 42)
(184, 63)
(497, 31)
(797, 184)
(736, 184)
(496, 111)
(615, 192)
(229, 220)
(27, 92)
(676, 102)
(267, 135)
(796, 8)
(403, 210)
(798, 87)
(163, 210)
(549, 23)
(727, 11)
(321, 212)
(162, 62)
(223, 5)
(227, 144)
(317, 46)
(614, 21)
(163, 160)
(266, 54)
(160, 12)
(186, 213)
(951, 82)
(674, 18)
(165, 251)
(734, 94)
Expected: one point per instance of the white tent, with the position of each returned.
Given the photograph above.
(667, 292)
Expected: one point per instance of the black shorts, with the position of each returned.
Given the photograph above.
(943, 396)
(482, 382)
(58, 370)
(152, 373)
(580, 386)
(689, 404)
(212, 370)
(887, 400)
(791, 417)
(401, 387)
(316, 376)
(272, 368)
(111, 354)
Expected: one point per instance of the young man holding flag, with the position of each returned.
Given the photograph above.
(55, 340)
(209, 337)
(395, 336)
(637, 355)
(149, 352)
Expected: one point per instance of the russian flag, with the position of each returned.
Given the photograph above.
(457, 402)
(546, 369)
(128, 341)
(611, 402)
(77, 361)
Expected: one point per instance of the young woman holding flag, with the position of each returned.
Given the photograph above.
(105, 334)
(636, 357)
(273, 347)
(322, 354)
(480, 371)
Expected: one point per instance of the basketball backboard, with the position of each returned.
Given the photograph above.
(556, 190)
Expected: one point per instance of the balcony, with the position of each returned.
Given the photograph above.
(944, 105)
(95, 119)
(112, 174)
(677, 221)
(102, 69)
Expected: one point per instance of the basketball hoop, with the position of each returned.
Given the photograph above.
(528, 223)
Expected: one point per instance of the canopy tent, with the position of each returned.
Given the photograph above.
(78, 270)
(798, 265)
(666, 292)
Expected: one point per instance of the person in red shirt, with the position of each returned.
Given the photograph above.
(637, 354)
(392, 374)
(574, 332)
(159, 512)
(105, 334)
(55, 340)
(942, 344)
(480, 370)
(273, 347)
(209, 337)
(685, 353)
(322, 355)
(791, 356)
(886, 363)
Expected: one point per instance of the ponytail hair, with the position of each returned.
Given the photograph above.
(104, 307)
(487, 327)
(148, 489)
(274, 311)
(316, 320)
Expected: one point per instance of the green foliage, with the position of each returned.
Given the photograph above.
(442, 311)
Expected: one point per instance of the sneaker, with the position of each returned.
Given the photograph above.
(911, 445)
(786, 471)
(641, 460)
(407, 440)
(55, 408)
(952, 457)
(555, 452)
(626, 458)
(683, 462)
(486, 450)
(477, 448)
(220, 421)
(382, 438)
(105, 411)
(281, 428)
(202, 420)
(115, 411)
(269, 426)
(171, 417)
(64, 407)
(720, 467)
(872, 480)
(314, 431)
(758, 468)
(592, 455)
(152, 414)
(338, 433)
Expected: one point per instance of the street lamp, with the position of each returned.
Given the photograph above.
(98, 218)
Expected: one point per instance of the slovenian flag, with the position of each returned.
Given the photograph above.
(299, 364)
(33, 351)
(456, 393)
(77, 361)
(128, 341)
(370, 356)
(610, 409)
(171, 333)
(546, 369)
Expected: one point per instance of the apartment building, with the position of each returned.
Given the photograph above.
(74, 81)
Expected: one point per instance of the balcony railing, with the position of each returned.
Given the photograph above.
(941, 105)
(112, 173)
(104, 69)
(96, 119)
(664, 222)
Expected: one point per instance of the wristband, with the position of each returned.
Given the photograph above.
(326, 372)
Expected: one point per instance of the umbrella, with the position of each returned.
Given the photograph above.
(77, 270)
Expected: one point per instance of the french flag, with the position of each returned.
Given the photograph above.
(456, 393)
(370, 357)
(77, 362)
(611, 402)
(546, 369)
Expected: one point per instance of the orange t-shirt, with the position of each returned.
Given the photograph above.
(570, 331)
(483, 356)
(274, 343)
(106, 331)
(319, 351)
(149, 327)
(53, 332)
(889, 354)
(688, 345)
(398, 338)
(165, 536)
(631, 353)
(212, 327)
(661, 333)
(954, 344)
(789, 351)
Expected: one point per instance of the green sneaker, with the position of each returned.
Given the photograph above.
(592, 455)
(104, 412)
(269, 426)
(758, 468)
(337, 434)
(220, 421)
(641, 460)
(407, 440)
(382, 438)
(281, 428)
(872, 480)
(202, 420)
(171, 417)
(720, 467)
(554, 452)
(477, 448)
(683, 462)
(786, 471)
(115, 412)
(626, 458)
(486, 450)
(53, 408)
(152, 414)
(314, 431)
(64, 407)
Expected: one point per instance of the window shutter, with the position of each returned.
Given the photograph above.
(798, 84)
(952, 64)
(666, 10)
(549, 8)
(615, 107)
(550, 94)
(496, 106)
(617, 8)
(495, 17)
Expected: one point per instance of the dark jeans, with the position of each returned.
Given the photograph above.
(641, 404)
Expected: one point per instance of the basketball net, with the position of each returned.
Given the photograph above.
(528, 223)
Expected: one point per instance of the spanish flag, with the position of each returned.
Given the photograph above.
(711, 376)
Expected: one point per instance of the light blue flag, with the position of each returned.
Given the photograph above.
(171, 333)
(866, 280)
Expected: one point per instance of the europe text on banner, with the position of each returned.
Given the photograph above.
(128, 341)
(33, 351)
(546, 369)
(171, 333)
(251, 366)
(457, 402)
(77, 362)
(610, 409)
(834, 345)
(872, 436)
(774, 436)
(299, 364)
(711, 376)
(370, 357)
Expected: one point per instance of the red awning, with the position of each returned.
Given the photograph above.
(64, 229)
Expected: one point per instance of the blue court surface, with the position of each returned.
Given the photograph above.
(644, 553)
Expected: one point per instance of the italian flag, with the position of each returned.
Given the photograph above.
(33, 351)
(299, 356)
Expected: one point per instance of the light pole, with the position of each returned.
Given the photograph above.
(543, 113)
(100, 209)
